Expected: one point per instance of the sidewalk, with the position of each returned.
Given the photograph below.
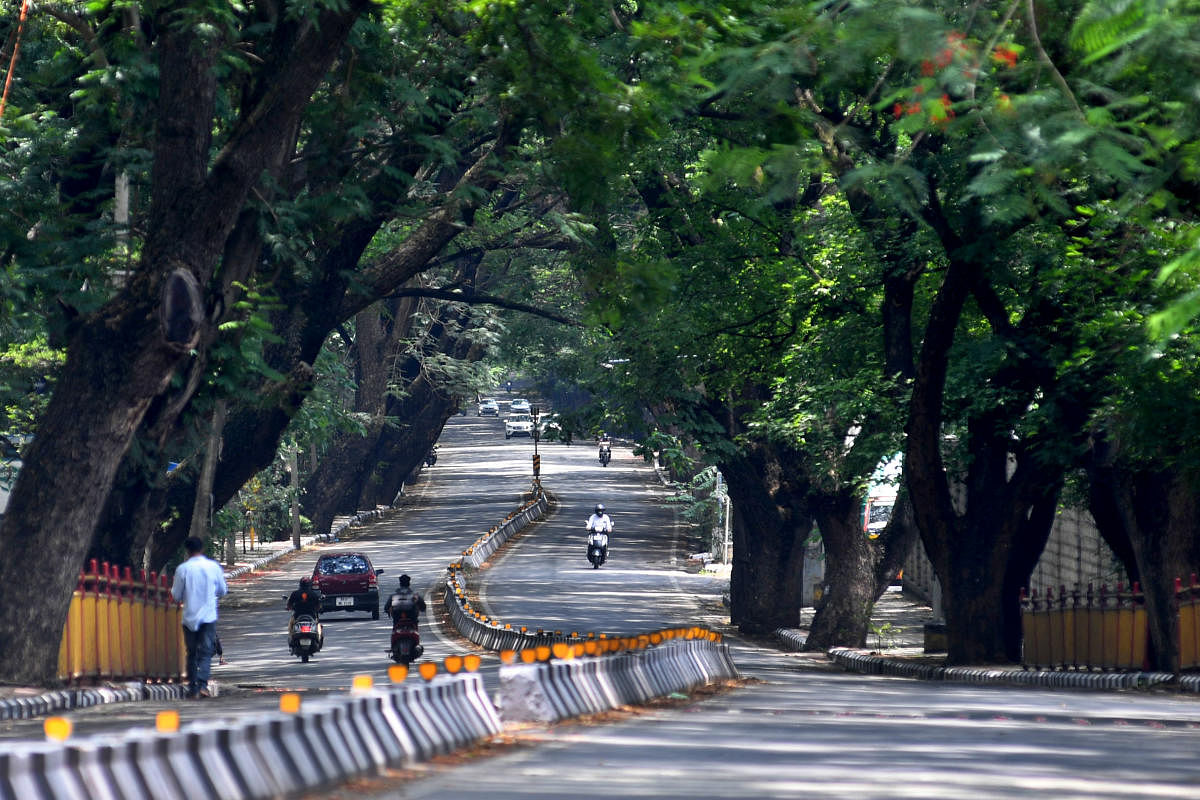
(896, 647)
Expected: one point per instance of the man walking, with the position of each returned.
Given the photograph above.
(198, 583)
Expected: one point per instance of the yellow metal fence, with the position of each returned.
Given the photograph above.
(1085, 628)
(121, 628)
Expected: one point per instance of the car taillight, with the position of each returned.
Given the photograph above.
(371, 580)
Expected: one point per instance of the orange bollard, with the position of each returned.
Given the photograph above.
(167, 721)
(57, 729)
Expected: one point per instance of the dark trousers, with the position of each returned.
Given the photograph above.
(201, 644)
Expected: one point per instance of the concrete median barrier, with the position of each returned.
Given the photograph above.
(548, 692)
(264, 756)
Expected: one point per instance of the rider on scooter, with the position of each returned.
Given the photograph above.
(405, 605)
(599, 525)
(605, 445)
(306, 601)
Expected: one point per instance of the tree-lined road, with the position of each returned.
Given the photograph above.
(800, 728)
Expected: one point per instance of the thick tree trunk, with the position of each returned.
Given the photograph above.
(341, 469)
(1158, 513)
(858, 569)
(844, 615)
(771, 523)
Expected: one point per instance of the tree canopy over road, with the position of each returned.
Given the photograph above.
(791, 239)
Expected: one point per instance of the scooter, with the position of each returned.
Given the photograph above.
(431, 457)
(406, 643)
(605, 455)
(306, 637)
(597, 548)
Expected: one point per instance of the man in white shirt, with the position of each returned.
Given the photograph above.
(198, 583)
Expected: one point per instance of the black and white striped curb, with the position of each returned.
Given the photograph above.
(470, 622)
(869, 664)
(556, 690)
(67, 699)
(266, 756)
(487, 544)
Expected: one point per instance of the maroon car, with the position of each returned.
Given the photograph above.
(348, 582)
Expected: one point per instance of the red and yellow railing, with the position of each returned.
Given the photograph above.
(121, 628)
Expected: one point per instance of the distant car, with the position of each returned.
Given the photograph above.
(488, 408)
(348, 582)
(519, 406)
(518, 425)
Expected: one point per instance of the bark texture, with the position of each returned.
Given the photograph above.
(771, 523)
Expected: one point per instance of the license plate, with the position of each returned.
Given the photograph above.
(305, 642)
(345, 601)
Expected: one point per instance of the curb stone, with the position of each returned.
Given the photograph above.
(869, 664)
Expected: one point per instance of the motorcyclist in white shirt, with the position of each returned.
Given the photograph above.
(599, 525)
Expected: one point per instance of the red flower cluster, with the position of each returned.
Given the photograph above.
(1005, 55)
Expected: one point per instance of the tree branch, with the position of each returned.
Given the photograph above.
(472, 297)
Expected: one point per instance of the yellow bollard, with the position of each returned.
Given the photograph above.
(362, 683)
(167, 721)
(289, 702)
(428, 670)
(397, 673)
(58, 729)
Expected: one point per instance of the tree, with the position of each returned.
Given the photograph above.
(220, 229)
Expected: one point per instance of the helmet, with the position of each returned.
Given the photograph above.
(305, 583)
(405, 580)
(599, 508)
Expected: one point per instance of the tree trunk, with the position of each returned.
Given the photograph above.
(844, 614)
(771, 523)
(858, 569)
(1157, 511)
(202, 510)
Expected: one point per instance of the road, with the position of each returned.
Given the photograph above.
(797, 728)
(478, 479)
